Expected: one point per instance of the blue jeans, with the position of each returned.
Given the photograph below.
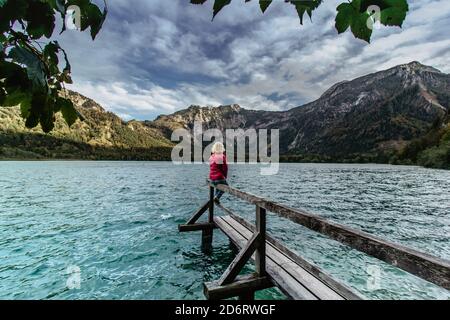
(219, 193)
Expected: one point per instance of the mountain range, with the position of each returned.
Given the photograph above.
(399, 115)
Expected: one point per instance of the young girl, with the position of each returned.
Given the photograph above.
(218, 168)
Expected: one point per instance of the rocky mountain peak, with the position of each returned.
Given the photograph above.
(82, 102)
(414, 68)
(381, 83)
(235, 107)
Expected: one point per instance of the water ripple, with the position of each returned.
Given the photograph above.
(117, 222)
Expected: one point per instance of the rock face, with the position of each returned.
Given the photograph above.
(222, 117)
(373, 114)
(378, 114)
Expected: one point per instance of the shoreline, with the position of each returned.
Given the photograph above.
(192, 163)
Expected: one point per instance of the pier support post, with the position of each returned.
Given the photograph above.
(260, 254)
(207, 234)
(211, 205)
(206, 227)
(207, 237)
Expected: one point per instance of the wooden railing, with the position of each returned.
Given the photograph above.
(423, 265)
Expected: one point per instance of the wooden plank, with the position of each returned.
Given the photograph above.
(242, 285)
(317, 287)
(229, 231)
(339, 287)
(287, 283)
(423, 265)
(239, 262)
(284, 281)
(196, 227)
(199, 213)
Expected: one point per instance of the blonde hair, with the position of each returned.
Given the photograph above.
(218, 148)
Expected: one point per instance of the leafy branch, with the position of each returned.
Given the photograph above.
(358, 15)
(30, 73)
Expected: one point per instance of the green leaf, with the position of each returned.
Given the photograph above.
(2, 96)
(25, 107)
(58, 5)
(356, 4)
(264, 4)
(41, 19)
(15, 98)
(218, 5)
(344, 18)
(393, 17)
(47, 116)
(91, 16)
(51, 55)
(307, 6)
(67, 68)
(38, 102)
(66, 77)
(96, 19)
(68, 111)
(15, 76)
(2, 3)
(401, 4)
(359, 27)
(12, 11)
(35, 68)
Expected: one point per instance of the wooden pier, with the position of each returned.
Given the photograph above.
(277, 265)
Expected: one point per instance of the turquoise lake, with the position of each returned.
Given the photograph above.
(113, 226)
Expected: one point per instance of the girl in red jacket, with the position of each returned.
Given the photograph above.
(218, 168)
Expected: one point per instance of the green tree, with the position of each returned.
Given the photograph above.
(34, 69)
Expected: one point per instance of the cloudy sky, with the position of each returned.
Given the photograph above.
(157, 56)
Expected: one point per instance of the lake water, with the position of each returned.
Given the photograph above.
(108, 230)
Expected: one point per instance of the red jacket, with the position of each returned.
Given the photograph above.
(218, 167)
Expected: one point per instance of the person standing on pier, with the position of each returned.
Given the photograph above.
(218, 168)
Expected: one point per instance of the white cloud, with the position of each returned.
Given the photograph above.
(129, 99)
(160, 56)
